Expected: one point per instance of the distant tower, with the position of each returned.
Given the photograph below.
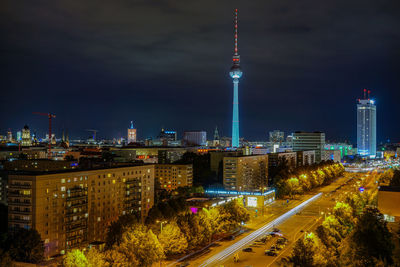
(26, 136)
(235, 73)
(9, 136)
(366, 126)
(216, 141)
(131, 134)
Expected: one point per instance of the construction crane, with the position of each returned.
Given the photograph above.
(50, 116)
(94, 133)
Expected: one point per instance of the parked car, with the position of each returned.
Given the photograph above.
(270, 252)
(280, 246)
(247, 250)
(183, 264)
(275, 230)
(282, 240)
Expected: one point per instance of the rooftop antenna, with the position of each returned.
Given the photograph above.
(365, 93)
(369, 91)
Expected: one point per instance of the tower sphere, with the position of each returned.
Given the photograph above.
(235, 72)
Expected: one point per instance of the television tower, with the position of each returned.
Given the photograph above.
(235, 73)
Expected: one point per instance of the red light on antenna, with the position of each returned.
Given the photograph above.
(365, 90)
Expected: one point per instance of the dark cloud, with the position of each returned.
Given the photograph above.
(100, 64)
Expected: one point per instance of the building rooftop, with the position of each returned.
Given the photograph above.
(389, 188)
(36, 173)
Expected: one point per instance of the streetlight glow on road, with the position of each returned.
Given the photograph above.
(256, 234)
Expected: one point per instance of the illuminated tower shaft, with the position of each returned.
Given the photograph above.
(235, 73)
(235, 117)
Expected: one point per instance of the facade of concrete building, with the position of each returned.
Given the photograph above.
(123, 155)
(73, 208)
(169, 156)
(245, 173)
(168, 135)
(172, 176)
(3, 187)
(303, 141)
(305, 157)
(334, 155)
(345, 149)
(217, 157)
(289, 157)
(388, 202)
(276, 136)
(194, 138)
(150, 154)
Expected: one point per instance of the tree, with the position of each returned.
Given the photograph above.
(344, 213)
(371, 240)
(75, 258)
(395, 181)
(293, 186)
(117, 228)
(309, 251)
(115, 258)
(231, 215)
(172, 239)
(5, 259)
(26, 245)
(95, 258)
(190, 226)
(302, 254)
(141, 244)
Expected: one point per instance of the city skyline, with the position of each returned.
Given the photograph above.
(164, 74)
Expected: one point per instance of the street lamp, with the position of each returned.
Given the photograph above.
(161, 223)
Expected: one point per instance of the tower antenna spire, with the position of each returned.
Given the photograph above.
(235, 20)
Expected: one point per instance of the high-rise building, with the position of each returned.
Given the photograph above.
(366, 126)
(216, 141)
(72, 209)
(26, 136)
(167, 135)
(195, 138)
(276, 136)
(131, 134)
(235, 74)
(53, 139)
(19, 136)
(9, 136)
(245, 173)
(303, 141)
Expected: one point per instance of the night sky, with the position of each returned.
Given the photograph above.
(100, 64)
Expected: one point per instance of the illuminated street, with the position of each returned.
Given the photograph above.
(290, 224)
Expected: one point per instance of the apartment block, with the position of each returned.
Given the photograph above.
(74, 208)
(245, 173)
(172, 176)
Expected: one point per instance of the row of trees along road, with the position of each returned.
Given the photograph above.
(355, 234)
(130, 243)
(302, 179)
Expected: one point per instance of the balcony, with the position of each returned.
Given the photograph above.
(20, 212)
(15, 220)
(14, 194)
(75, 197)
(18, 203)
(20, 186)
(74, 228)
